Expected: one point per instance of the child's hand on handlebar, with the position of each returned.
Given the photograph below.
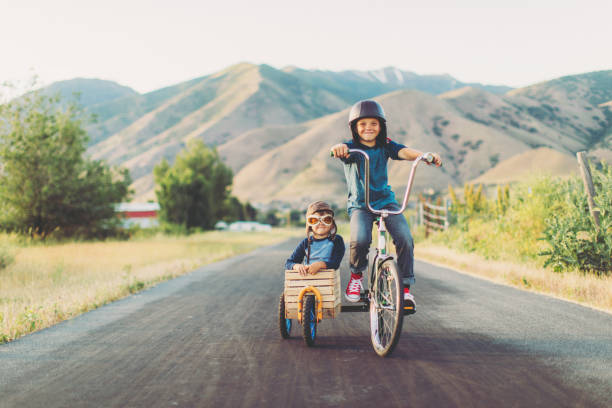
(436, 160)
(340, 150)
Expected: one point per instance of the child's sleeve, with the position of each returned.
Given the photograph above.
(350, 159)
(393, 149)
(298, 255)
(337, 253)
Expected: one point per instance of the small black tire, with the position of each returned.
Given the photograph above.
(309, 320)
(284, 324)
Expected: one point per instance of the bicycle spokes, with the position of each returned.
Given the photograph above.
(385, 308)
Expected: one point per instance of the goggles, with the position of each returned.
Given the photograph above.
(314, 219)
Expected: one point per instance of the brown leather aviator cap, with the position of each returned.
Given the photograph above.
(318, 206)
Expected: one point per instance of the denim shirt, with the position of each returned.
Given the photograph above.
(381, 194)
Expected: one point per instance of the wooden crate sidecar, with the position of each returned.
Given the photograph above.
(326, 281)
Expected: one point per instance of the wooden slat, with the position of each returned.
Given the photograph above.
(302, 284)
(293, 306)
(434, 225)
(326, 298)
(434, 216)
(434, 207)
(324, 290)
(327, 314)
(295, 275)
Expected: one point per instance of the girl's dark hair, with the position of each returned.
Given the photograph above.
(381, 139)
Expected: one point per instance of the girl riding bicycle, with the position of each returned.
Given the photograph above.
(325, 249)
(368, 126)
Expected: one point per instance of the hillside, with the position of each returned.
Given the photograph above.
(274, 127)
(244, 110)
(537, 162)
(473, 130)
(301, 169)
(89, 92)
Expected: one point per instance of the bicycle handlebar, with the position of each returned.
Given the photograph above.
(426, 157)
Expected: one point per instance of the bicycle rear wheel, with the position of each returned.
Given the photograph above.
(284, 324)
(386, 308)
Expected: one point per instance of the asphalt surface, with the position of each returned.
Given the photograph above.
(211, 339)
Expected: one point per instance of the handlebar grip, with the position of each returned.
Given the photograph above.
(428, 157)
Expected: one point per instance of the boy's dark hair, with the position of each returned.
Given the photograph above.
(368, 109)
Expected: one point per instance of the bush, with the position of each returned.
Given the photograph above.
(545, 217)
(575, 241)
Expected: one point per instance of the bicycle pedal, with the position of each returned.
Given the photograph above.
(408, 310)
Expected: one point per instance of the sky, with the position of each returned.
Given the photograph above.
(149, 44)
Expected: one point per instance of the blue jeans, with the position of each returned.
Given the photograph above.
(361, 238)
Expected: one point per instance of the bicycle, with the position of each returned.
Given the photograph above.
(384, 298)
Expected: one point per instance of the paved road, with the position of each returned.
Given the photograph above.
(211, 339)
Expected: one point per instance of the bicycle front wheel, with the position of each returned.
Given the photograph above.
(386, 308)
(309, 320)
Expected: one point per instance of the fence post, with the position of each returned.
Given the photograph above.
(585, 171)
(447, 206)
(420, 213)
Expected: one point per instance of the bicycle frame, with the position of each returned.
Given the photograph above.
(381, 248)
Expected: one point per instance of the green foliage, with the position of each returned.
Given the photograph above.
(503, 199)
(195, 191)
(269, 217)
(575, 241)
(30, 319)
(46, 185)
(474, 202)
(544, 217)
(7, 257)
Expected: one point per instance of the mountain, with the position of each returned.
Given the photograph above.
(480, 136)
(89, 92)
(137, 131)
(274, 127)
(298, 171)
(216, 109)
(354, 85)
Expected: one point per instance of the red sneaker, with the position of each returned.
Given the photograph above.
(353, 290)
(409, 302)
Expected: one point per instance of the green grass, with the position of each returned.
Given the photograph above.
(50, 282)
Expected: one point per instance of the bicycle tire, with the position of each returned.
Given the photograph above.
(309, 320)
(284, 324)
(386, 308)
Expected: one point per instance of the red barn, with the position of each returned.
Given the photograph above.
(142, 214)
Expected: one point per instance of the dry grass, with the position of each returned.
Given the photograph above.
(50, 283)
(585, 289)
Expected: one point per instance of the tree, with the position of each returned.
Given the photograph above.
(195, 191)
(46, 184)
(250, 212)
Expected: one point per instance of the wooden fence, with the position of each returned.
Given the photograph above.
(434, 217)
